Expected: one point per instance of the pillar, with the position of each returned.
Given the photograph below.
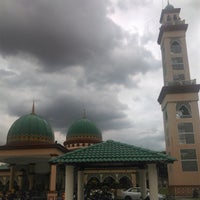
(80, 185)
(31, 175)
(20, 177)
(69, 182)
(52, 194)
(12, 176)
(142, 182)
(133, 179)
(153, 181)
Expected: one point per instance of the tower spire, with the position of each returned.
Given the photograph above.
(33, 108)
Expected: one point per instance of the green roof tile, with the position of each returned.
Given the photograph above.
(112, 151)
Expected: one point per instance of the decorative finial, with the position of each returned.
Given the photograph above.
(33, 108)
(168, 2)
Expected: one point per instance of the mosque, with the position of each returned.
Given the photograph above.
(38, 166)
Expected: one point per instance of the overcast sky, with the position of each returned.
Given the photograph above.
(101, 56)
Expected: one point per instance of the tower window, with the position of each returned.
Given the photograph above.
(177, 63)
(175, 47)
(168, 18)
(175, 17)
(185, 133)
(183, 110)
(189, 160)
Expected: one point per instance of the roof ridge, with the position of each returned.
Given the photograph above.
(112, 151)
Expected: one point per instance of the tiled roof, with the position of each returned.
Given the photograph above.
(112, 152)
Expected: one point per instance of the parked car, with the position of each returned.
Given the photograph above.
(135, 194)
(99, 194)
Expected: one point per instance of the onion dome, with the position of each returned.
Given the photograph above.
(30, 129)
(82, 133)
(169, 7)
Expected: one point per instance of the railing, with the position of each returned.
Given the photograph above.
(183, 82)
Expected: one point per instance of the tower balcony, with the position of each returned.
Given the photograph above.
(181, 82)
(178, 87)
(174, 22)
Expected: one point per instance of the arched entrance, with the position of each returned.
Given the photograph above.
(125, 182)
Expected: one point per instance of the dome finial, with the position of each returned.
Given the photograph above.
(33, 107)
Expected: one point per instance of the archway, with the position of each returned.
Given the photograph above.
(92, 186)
(125, 183)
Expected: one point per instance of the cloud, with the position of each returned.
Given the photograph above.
(127, 4)
(101, 56)
(61, 34)
(58, 33)
(63, 110)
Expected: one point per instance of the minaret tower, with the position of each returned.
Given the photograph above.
(179, 103)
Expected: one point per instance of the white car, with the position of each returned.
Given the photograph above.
(135, 194)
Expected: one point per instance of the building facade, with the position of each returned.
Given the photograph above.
(29, 147)
(179, 103)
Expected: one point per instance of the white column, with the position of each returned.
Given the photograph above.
(69, 182)
(80, 185)
(153, 181)
(142, 182)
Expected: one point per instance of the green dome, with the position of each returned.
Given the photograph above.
(30, 129)
(169, 7)
(84, 131)
(83, 127)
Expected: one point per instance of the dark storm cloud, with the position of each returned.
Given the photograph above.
(62, 33)
(68, 55)
(62, 110)
(125, 61)
(58, 33)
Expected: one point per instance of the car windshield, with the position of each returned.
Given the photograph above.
(134, 190)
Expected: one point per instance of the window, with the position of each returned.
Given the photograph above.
(189, 160)
(168, 18)
(177, 63)
(185, 133)
(175, 18)
(183, 110)
(175, 47)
